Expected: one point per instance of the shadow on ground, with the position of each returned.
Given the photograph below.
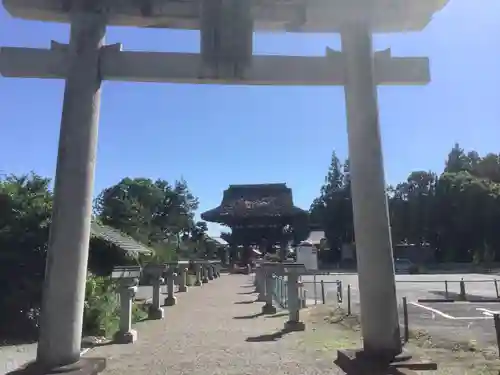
(90, 345)
(244, 302)
(268, 337)
(280, 315)
(456, 296)
(252, 292)
(253, 316)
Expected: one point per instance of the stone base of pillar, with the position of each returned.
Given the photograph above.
(357, 361)
(85, 366)
(197, 283)
(210, 277)
(125, 337)
(170, 301)
(156, 313)
(268, 309)
(204, 280)
(293, 326)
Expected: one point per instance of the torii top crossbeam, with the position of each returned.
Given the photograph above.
(288, 15)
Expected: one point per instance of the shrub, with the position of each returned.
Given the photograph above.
(102, 307)
(101, 316)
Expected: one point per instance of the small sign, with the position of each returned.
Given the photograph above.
(132, 272)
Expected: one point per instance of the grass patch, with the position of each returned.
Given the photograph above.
(330, 329)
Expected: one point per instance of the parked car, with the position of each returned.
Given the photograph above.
(405, 266)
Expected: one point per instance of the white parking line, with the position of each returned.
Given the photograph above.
(433, 310)
(487, 312)
(447, 316)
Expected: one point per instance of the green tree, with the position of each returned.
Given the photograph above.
(332, 210)
(25, 211)
(455, 212)
(153, 212)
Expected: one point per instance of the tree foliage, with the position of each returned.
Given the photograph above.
(455, 212)
(25, 211)
(149, 211)
(152, 212)
(332, 210)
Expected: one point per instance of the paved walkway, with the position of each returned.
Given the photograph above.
(215, 329)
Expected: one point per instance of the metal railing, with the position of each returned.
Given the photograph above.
(308, 291)
(280, 291)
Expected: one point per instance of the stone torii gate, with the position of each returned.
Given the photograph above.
(226, 58)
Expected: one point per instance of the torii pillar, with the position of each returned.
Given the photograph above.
(377, 287)
(86, 62)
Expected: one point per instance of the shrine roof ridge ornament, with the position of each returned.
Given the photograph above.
(283, 15)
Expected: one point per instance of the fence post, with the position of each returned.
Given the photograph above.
(282, 292)
(315, 290)
(348, 299)
(323, 292)
(496, 288)
(405, 320)
(462, 295)
(339, 291)
(496, 320)
(446, 289)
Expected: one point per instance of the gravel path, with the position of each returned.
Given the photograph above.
(215, 329)
(14, 356)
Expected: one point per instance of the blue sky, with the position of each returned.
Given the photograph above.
(214, 136)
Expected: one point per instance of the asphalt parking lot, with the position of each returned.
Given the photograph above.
(455, 322)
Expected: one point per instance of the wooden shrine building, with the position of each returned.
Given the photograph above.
(261, 215)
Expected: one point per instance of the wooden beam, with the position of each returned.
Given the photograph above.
(186, 68)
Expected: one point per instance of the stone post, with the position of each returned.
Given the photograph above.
(204, 273)
(379, 321)
(170, 300)
(66, 270)
(210, 272)
(155, 310)
(183, 278)
(261, 283)
(127, 290)
(268, 308)
(214, 271)
(198, 271)
(293, 323)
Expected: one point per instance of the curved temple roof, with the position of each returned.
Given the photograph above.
(254, 201)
